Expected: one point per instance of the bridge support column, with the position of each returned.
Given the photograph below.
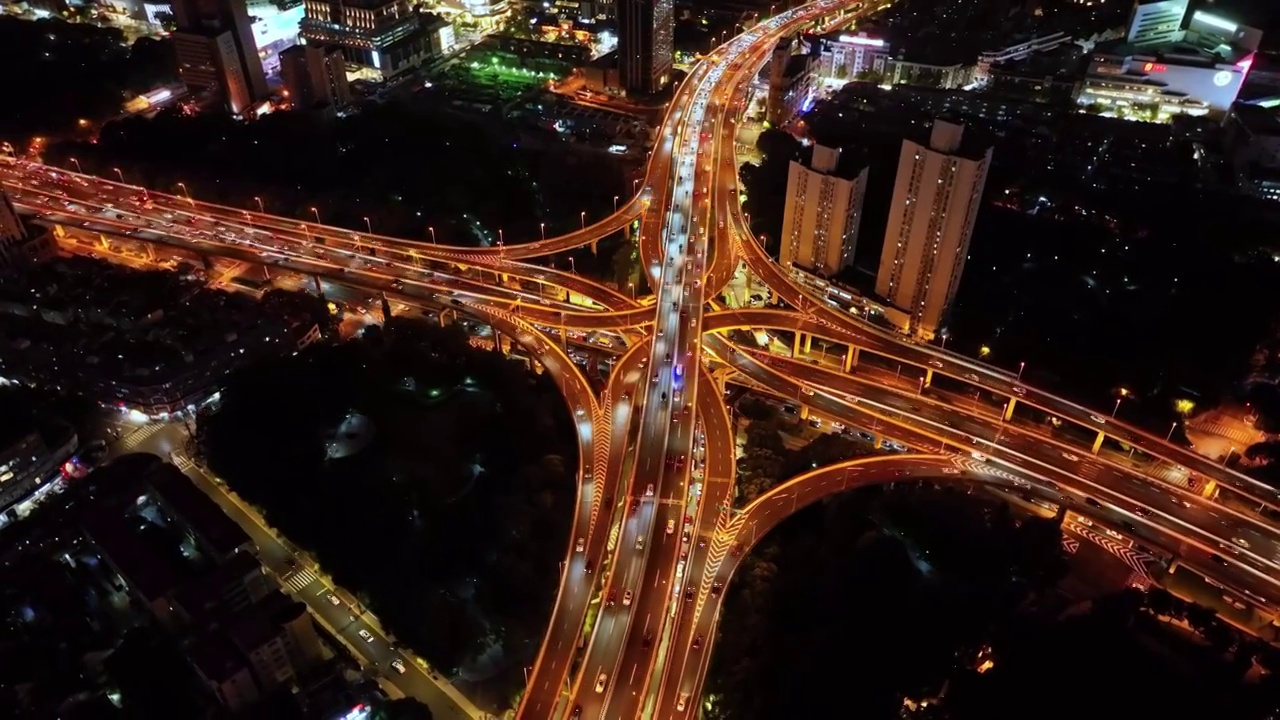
(1008, 408)
(928, 379)
(315, 282)
(1097, 442)
(808, 344)
(795, 346)
(804, 412)
(851, 358)
(207, 263)
(266, 273)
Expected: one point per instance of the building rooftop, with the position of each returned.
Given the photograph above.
(215, 657)
(203, 597)
(205, 518)
(1178, 53)
(145, 571)
(1258, 120)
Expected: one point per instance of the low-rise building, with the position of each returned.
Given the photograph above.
(898, 71)
(791, 81)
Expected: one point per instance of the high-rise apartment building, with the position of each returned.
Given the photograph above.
(646, 30)
(935, 202)
(1152, 22)
(823, 210)
(315, 77)
(216, 51)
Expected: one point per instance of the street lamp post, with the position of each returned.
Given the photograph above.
(368, 225)
(259, 201)
(615, 203)
(1172, 426)
(187, 194)
(433, 235)
(1021, 366)
(572, 267)
(582, 216)
(77, 164)
(1117, 407)
(542, 228)
(634, 183)
(305, 231)
(120, 175)
(317, 214)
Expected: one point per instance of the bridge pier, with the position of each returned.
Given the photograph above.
(795, 346)
(1097, 442)
(315, 282)
(851, 358)
(808, 344)
(928, 379)
(207, 263)
(1008, 408)
(804, 412)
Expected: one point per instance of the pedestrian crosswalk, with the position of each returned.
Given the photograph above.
(181, 460)
(298, 580)
(139, 436)
(1238, 434)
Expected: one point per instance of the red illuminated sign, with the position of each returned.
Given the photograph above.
(1154, 67)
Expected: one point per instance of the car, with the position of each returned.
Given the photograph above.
(648, 491)
(1070, 456)
(1217, 560)
(1098, 419)
(697, 643)
(978, 456)
(588, 567)
(626, 599)
(612, 598)
(971, 377)
(368, 636)
(689, 594)
(806, 391)
(1019, 390)
(398, 664)
(635, 505)
(580, 545)
(717, 587)
(950, 471)
(935, 363)
(736, 550)
(1142, 512)
(1241, 542)
(682, 701)
(671, 525)
(1180, 501)
(601, 681)
(646, 642)
(333, 599)
(1092, 503)
(639, 542)
(577, 712)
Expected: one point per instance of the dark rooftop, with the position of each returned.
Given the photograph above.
(206, 519)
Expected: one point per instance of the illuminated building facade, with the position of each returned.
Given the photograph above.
(845, 57)
(1198, 72)
(935, 202)
(315, 76)
(216, 51)
(823, 210)
(384, 35)
(646, 30)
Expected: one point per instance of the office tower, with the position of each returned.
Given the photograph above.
(386, 36)
(315, 76)
(935, 202)
(824, 207)
(645, 44)
(1152, 22)
(791, 81)
(216, 51)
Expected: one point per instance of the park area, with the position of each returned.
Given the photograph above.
(432, 478)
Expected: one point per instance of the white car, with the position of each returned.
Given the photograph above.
(398, 664)
(807, 391)
(601, 682)
(935, 363)
(950, 471)
(333, 599)
(1241, 542)
(648, 491)
(639, 542)
(971, 377)
(1019, 390)
(368, 636)
(671, 526)
(580, 545)
(979, 456)
(626, 599)
(1098, 419)
(682, 701)
(1071, 456)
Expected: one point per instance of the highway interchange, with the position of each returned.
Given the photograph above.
(653, 542)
